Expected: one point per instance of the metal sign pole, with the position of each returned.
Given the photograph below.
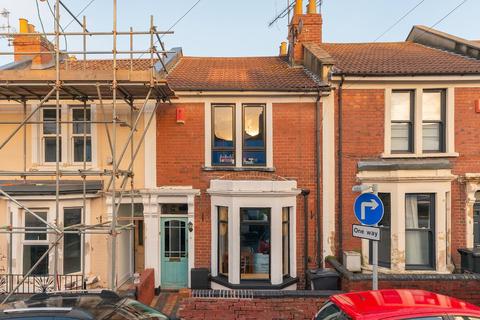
(375, 251)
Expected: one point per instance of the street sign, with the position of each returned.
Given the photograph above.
(368, 209)
(366, 232)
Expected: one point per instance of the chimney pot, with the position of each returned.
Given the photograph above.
(283, 49)
(299, 7)
(31, 28)
(23, 25)
(312, 7)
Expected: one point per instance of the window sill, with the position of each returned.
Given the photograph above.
(239, 169)
(420, 156)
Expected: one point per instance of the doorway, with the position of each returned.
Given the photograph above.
(174, 253)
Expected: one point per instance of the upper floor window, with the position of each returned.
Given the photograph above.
(433, 117)
(223, 135)
(402, 115)
(49, 135)
(74, 134)
(238, 135)
(254, 135)
(81, 134)
(419, 122)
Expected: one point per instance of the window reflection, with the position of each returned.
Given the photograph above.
(254, 135)
(223, 147)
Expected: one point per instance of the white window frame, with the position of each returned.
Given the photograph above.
(246, 194)
(79, 135)
(418, 121)
(66, 135)
(25, 242)
(398, 184)
(47, 204)
(238, 126)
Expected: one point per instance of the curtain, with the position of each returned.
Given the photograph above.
(416, 241)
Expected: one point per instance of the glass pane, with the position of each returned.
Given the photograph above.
(401, 107)
(400, 137)
(78, 118)
(31, 254)
(254, 158)
(175, 208)
(78, 145)
(476, 224)
(432, 106)
(223, 240)
(431, 133)
(72, 248)
(286, 240)
(253, 124)
(50, 121)
(50, 150)
(33, 222)
(329, 312)
(223, 158)
(417, 247)
(223, 127)
(255, 243)
(166, 239)
(384, 245)
(418, 211)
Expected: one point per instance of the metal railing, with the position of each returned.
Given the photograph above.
(40, 283)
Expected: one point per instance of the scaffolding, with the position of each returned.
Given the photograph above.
(61, 83)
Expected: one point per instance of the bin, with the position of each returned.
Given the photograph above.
(200, 278)
(466, 260)
(323, 279)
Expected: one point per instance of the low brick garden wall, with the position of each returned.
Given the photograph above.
(301, 305)
(462, 286)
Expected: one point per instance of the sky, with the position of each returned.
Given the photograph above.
(240, 28)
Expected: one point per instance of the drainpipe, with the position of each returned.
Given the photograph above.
(340, 165)
(305, 193)
(318, 122)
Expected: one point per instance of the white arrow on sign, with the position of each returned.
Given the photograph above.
(372, 204)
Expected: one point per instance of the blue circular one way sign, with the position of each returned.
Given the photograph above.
(368, 209)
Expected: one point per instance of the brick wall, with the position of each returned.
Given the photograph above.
(310, 32)
(180, 162)
(363, 138)
(285, 308)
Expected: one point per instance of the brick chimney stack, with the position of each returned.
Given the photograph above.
(304, 28)
(28, 40)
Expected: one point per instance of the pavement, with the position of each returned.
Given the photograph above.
(168, 302)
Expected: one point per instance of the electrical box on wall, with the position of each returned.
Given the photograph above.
(180, 115)
(477, 106)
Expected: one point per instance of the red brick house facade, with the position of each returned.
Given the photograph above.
(260, 154)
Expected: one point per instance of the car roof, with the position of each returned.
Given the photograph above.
(92, 305)
(400, 302)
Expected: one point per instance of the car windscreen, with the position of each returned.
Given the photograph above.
(132, 309)
(331, 312)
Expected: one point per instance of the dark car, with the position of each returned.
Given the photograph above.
(79, 305)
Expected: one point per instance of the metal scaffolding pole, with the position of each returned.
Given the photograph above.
(68, 85)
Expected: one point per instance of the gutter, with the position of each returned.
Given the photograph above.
(318, 125)
(340, 165)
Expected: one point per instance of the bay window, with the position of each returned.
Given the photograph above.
(35, 244)
(420, 231)
(286, 241)
(384, 245)
(223, 240)
(223, 135)
(476, 224)
(254, 243)
(72, 247)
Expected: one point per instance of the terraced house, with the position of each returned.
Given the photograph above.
(248, 171)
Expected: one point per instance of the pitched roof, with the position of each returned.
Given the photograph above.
(240, 74)
(106, 64)
(397, 58)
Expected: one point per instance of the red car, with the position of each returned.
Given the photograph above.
(396, 305)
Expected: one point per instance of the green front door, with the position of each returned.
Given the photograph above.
(174, 246)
